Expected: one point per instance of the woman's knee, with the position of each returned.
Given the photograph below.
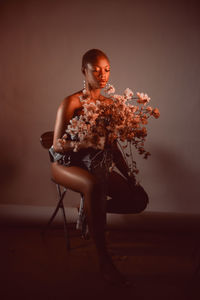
(92, 186)
(74, 178)
(141, 199)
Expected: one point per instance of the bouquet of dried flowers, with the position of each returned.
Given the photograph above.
(119, 118)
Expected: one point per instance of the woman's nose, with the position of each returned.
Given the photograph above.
(102, 74)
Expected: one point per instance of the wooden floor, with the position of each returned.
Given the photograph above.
(34, 266)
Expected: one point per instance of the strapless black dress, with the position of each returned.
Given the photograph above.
(93, 160)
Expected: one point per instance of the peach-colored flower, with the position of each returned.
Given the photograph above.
(149, 108)
(144, 120)
(117, 119)
(136, 119)
(155, 113)
(109, 89)
(128, 93)
(143, 98)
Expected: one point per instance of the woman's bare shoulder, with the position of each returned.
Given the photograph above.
(72, 100)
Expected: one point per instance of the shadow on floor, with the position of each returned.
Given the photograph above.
(34, 266)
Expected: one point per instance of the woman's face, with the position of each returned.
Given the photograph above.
(97, 73)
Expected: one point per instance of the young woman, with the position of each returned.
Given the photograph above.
(75, 171)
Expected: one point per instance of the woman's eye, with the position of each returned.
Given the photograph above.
(96, 70)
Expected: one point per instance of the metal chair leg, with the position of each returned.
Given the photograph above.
(61, 206)
(61, 196)
(66, 227)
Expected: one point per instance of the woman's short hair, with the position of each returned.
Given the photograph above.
(91, 56)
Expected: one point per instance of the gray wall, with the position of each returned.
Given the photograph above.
(153, 46)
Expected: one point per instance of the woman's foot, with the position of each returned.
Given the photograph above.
(110, 273)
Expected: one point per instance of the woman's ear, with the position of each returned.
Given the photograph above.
(83, 70)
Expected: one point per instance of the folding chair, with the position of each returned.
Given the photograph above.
(46, 140)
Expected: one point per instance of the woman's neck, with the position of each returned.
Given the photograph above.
(95, 94)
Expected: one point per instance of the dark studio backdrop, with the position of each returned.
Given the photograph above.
(153, 46)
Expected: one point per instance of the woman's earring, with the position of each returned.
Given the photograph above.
(86, 92)
(84, 88)
(106, 88)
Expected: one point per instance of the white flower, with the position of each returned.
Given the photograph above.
(128, 93)
(143, 98)
(117, 119)
(109, 89)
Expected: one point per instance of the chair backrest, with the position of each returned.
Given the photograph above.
(46, 139)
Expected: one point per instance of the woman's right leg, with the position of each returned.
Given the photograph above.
(82, 181)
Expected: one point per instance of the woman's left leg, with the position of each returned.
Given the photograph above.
(126, 197)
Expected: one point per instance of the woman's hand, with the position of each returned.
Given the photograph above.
(81, 145)
(64, 144)
(85, 144)
(61, 145)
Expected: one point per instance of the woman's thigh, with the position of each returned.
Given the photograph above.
(126, 198)
(73, 177)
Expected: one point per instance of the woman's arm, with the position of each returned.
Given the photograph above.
(64, 115)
